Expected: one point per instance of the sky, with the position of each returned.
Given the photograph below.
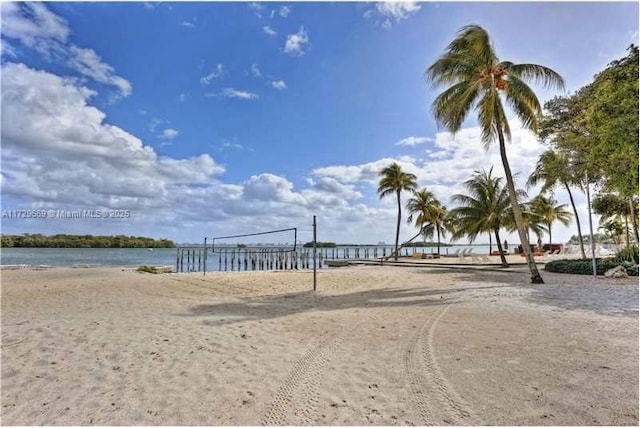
(188, 120)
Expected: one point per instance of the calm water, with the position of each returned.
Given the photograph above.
(167, 256)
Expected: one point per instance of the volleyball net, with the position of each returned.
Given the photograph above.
(282, 240)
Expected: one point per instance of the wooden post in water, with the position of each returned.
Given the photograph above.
(177, 259)
(182, 260)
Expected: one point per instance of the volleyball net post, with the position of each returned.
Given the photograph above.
(204, 258)
(314, 253)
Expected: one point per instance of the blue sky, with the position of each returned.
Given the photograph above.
(207, 119)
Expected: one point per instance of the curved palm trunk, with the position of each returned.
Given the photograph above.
(503, 259)
(550, 241)
(438, 232)
(575, 213)
(490, 247)
(536, 278)
(626, 230)
(634, 221)
(398, 225)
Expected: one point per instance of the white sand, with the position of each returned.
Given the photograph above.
(374, 345)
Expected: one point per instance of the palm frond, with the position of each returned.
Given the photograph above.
(538, 74)
(452, 68)
(451, 107)
(474, 39)
(524, 103)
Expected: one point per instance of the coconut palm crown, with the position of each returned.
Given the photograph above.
(549, 210)
(484, 208)
(430, 214)
(393, 180)
(478, 80)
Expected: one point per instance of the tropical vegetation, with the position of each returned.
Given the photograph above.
(320, 244)
(549, 211)
(595, 132)
(83, 241)
(485, 209)
(393, 180)
(478, 80)
(551, 170)
(430, 215)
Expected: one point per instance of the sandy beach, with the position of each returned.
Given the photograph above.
(372, 346)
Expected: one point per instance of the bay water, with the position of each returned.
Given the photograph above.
(134, 257)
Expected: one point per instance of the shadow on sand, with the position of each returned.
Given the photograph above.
(269, 307)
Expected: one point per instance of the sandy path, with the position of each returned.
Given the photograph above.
(383, 346)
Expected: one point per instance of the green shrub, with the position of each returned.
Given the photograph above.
(628, 254)
(584, 266)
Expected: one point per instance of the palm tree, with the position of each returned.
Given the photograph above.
(550, 212)
(485, 209)
(553, 169)
(479, 80)
(610, 206)
(430, 214)
(530, 220)
(394, 180)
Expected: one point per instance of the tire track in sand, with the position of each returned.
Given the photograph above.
(301, 387)
(435, 400)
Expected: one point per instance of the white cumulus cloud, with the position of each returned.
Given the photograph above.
(279, 84)
(169, 134)
(57, 148)
(297, 43)
(88, 63)
(33, 25)
(386, 13)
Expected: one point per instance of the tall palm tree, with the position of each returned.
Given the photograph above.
(479, 80)
(394, 180)
(553, 169)
(549, 210)
(485, 208)
(430, 214)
